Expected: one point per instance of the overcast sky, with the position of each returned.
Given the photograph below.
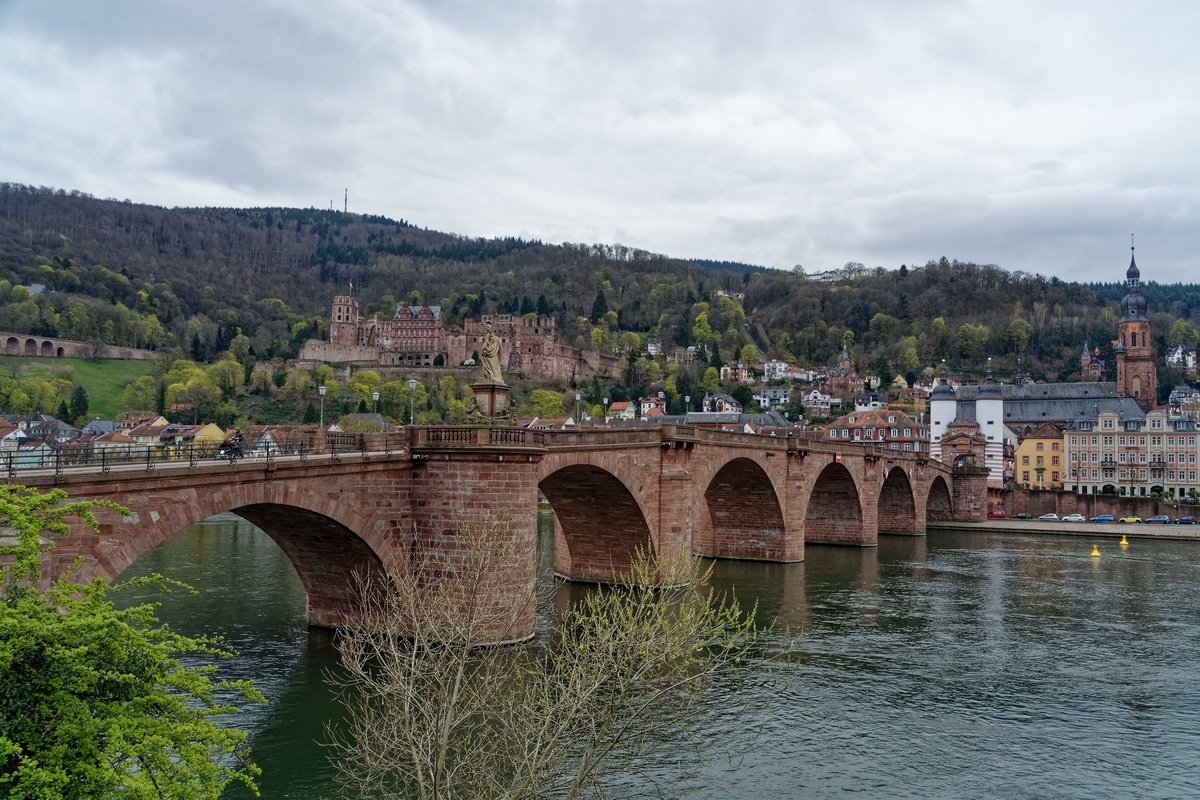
(1037, 136)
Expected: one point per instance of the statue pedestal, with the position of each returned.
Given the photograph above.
(491, 405)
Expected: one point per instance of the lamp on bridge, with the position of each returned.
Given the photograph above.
(412, 395)
(577, 408)
(375, 399)
(606, 411)
(687, 404)
(321, 391)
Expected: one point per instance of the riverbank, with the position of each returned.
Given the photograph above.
(1108, 530)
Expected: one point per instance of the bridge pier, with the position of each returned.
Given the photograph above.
(473, 504)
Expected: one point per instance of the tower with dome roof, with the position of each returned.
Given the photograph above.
(1137, 376)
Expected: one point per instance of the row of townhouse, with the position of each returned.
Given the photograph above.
(1154, 455)
(886, 427)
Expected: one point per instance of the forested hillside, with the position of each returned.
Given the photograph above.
(130, 274)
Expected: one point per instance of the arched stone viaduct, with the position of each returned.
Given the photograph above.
(672, 489)
(26, 344)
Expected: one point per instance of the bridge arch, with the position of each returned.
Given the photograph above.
(742, 516)
(327, 543)
(897, 504)
(938, 506)
(834, 514)
(599, 523)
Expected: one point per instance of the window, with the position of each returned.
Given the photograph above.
(1041, 461)
(1095, 440)
(1025, 461)
(1054, 461)
(833, 433)
(1054, 477)
(908, 432)
(1025, 476)
(1054, 446)
(1108, 440)
(1039, 447)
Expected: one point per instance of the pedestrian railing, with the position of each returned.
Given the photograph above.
(103, 459)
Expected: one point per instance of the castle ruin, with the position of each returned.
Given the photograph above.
(417, 336)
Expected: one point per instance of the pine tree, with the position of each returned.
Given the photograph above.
(79, 403)
(599, 306)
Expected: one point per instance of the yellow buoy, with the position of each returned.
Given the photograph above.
(1095, 551)
(1124, 543)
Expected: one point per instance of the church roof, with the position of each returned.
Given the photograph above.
(1133, 305)
(1035, 403)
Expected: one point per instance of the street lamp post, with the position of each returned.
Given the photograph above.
(577, 408)
(687, 404)
(606, 411)
(321, 391)
(412, 392)
(375, 398)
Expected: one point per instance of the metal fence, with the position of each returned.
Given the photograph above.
(103, 459)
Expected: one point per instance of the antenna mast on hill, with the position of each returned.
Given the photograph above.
(346, 201)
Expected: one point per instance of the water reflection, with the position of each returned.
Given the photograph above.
(948, 666)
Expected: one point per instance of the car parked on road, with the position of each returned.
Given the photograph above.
(1022, 515)
(1103, 518)
(1159, 519)
(996, 513)
(1130, 519)
(1051, 517)
(1185, 520)
(1074, 518)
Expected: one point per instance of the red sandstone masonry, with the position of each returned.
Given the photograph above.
(677, 488)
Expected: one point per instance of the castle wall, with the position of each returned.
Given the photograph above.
(416, 336)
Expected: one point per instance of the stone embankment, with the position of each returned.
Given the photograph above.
(1108, 530)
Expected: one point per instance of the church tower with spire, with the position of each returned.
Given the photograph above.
(1137, 376)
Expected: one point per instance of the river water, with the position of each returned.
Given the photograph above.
(956, 665)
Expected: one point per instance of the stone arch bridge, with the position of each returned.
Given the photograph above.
(671, 489)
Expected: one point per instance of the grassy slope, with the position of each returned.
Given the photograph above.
(104, 380)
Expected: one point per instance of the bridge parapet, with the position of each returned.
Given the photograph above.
(467, 437)
(601, 437)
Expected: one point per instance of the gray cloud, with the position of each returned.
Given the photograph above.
(1035, 137)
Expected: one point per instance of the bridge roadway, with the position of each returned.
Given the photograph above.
(671, 489)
